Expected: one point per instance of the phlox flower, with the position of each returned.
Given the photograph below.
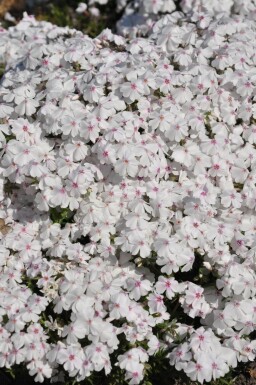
(17, 353)
(156, 303)
(5, 110)
(59, 197)
(135, 375)
(138, 288)
(70, 357)
(193, 294)
(99, 357)
(133, 355)
(161, 120)
(203, 340)
(168, 285)
(132, 90)
(153, 345)
(139, 245)
(82, 7)
(120, 306)
(199, 370)
(127, 165)
(23, 130)
(93, 92)
(41, 370)
(86, 367)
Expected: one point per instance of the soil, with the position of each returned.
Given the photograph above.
(247, 378)
(7, 5)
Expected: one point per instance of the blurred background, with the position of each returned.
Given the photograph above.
(89, 16)
(62, 13)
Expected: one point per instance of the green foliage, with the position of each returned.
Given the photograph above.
(2, 69)
(61, 215)
(57, 15)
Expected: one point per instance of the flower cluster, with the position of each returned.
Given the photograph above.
(128, 197)
(243, 7)
(139, 16)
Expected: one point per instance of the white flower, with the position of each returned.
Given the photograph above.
(70, 357)
(168, 285)
(128, 171)
(137, 288)
(41, 370)
(132, 90)
(82, 7)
